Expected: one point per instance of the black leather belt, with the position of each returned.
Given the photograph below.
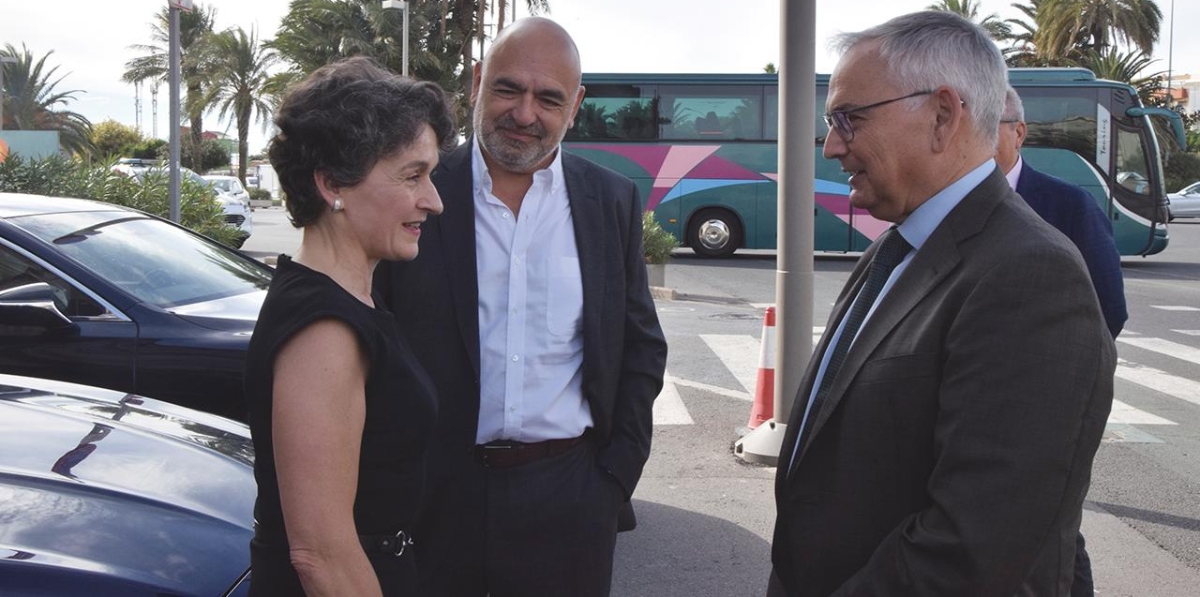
(508, 453)
(392, 545)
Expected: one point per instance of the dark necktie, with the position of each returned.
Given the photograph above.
(892, 249)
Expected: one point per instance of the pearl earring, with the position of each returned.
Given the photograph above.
(337, 204)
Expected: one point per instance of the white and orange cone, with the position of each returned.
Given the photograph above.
(764, 392)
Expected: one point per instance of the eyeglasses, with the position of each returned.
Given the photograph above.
(839, 120)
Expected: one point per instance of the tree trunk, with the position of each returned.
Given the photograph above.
(479, 29)
(196, 120)
(243, 127)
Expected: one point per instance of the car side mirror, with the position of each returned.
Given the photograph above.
(31, 306)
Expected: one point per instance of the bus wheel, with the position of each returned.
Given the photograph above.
(714, 232)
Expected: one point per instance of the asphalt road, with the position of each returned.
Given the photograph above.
(705, 517)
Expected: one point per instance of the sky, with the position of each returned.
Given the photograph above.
(91, 40)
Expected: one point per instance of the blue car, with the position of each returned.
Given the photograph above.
(106, 296)
(107, 493)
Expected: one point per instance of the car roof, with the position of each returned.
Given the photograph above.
(17, 204)
(219, 177)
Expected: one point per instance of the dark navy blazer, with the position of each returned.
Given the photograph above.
(1074, 212)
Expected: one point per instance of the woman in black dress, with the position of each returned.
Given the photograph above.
(340, 410)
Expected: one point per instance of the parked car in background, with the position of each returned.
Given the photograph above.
(230, 185)
(1185, 203)
(108, 296)
(237, 212)
(108, 493)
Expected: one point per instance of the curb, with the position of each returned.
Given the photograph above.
(662, 293)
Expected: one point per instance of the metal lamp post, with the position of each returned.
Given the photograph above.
(1170, 54)
(3, 60)
(401, 5)
(173, 84)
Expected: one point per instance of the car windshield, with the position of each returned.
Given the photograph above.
(151, 259)
(228, 185)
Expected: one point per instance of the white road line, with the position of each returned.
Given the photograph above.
(1127, 415)
(710, 388)
(1161, 381)
(739, 352)
(1123, 433)
(1171, 349)
(669, 408)
(1187, 332)
(1175, 308)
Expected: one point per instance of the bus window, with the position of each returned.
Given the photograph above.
(625, 112)
(1060, 118)
(1131, 162)
(771, 114)
(709, 113)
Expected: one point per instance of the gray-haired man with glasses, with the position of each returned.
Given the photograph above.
(942, 439)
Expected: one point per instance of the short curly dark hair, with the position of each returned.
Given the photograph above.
(341, 120)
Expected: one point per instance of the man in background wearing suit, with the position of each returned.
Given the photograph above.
(1073, 212)
(1068, 208)
(530, 309)
(942, 439)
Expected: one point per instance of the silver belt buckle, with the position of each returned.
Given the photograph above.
(396, 545)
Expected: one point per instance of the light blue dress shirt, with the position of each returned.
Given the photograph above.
(915, 229)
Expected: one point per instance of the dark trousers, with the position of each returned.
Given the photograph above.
(543, 529)
(1083, 585)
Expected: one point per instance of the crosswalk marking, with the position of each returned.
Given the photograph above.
(709, 388)
(1187, 332)
(1171, 349)
(669, 408)
(1175, 308)
(1161, 381)
(1124, 414)
(739, 354)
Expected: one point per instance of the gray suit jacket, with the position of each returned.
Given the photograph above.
(954, 449)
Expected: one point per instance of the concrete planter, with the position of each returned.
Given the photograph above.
(657, 274)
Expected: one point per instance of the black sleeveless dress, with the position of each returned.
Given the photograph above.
(400, 414)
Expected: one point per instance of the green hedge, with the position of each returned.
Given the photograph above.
(65, 177)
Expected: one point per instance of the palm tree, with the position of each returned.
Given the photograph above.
(238, 83)
(1128, 66)
(1068, 28)
(317, 32)
(1022, 51)
(969, 9)
(194, 29)
(32, 103)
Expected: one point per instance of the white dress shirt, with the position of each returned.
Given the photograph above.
(530, 311)
(1015, 174)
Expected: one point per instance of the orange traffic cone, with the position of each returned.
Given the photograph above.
(764, 393)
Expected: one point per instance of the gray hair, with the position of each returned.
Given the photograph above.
(1014, 109)
(929, 49)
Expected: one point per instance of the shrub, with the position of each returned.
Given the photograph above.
(658, 243)
(58, 176)
(1181, 170)
(257, 194)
